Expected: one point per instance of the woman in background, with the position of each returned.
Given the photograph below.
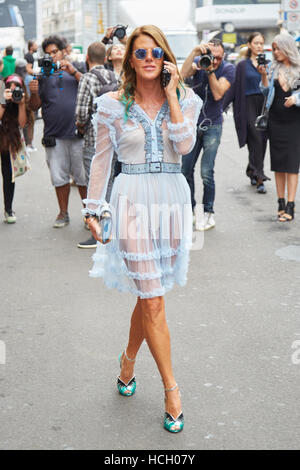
(281, 84)
(13, 116)
(114, 59)
(248, 102)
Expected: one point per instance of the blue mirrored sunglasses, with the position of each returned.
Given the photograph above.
(141, 54)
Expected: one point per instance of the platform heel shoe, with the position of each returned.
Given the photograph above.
(172, 424)
(126, 390)
(281, 207)
(288, 215)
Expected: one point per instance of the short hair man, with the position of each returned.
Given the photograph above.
(89, 89)
(210, 83)
(56, 94)
(32, 48)
(9, 62)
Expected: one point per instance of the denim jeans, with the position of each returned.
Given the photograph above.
(209, 140)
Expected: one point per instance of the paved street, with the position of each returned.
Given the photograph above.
(235, 328)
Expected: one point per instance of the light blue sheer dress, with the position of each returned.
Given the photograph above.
(151, 212)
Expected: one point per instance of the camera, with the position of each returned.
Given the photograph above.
(47, 65)
(118, 31)
(261, 59)
(17, 94)
(206, 60)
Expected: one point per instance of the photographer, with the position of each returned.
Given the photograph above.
(92, 85)
(14, 114)
(247, 105)
(56, 91)
(210, 77)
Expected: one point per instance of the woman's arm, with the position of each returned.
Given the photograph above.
(182, 126)
(2, 111)
(264, 84)
(22, 115)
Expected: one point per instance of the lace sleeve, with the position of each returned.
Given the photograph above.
(183, 134)
(101, 163)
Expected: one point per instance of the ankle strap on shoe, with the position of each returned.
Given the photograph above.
(128, 358)
(171, 389)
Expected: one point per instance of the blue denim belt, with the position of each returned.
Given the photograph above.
(152, 167)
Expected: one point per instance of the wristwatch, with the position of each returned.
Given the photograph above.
(209, 72)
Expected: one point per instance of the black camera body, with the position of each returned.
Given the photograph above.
(17, 94)
(119, 31)
(261, 59)
(206, 60)
(48, 67)
(49, 141)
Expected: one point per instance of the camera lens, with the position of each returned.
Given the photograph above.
(205, 62)
(17, 94)
(120, 32)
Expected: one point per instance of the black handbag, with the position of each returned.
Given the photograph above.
(261, 122)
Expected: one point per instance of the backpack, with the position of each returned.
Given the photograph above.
(106, 86)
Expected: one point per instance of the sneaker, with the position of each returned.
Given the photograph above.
(90, 243)
(31, 148)
(261, 189)
(253, 181)
(207, 223)
(62, 221)
(210, 221)
(9, 217)
(198, 218)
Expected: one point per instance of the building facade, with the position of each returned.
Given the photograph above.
(238, 18)
(81, 22)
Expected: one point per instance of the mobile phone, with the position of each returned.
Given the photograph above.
(165, 77)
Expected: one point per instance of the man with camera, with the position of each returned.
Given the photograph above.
(210, 77)
(55, 90)
(95, 82)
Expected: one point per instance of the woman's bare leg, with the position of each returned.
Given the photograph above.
(136, 337)
(157, 335)
(292, 184)
(280, 179)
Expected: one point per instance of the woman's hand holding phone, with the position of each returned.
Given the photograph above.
(171, 87)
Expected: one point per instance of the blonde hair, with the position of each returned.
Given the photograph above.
(128, 87)
(286, 43)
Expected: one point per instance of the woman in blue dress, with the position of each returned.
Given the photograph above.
(149, 126)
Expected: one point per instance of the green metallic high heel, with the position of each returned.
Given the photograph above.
(126, 390)
(172, 424)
